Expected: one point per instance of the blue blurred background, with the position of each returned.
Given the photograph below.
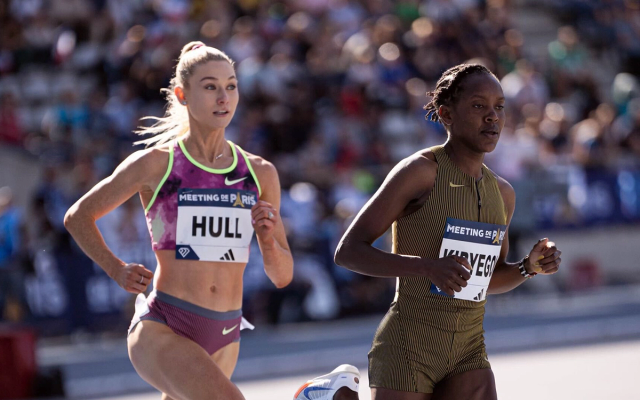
(332, 93)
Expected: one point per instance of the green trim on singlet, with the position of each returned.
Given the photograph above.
(211, 170)
(164, 178)
(255, 177)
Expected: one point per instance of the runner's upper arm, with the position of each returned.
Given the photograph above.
(408, 181)
(267, 174)
(509, 199)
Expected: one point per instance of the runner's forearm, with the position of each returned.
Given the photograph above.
(506, 277)
(363, 258)
(86, 234)
(278, 262)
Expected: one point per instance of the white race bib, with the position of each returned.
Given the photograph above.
(214, 224)
(480, 244)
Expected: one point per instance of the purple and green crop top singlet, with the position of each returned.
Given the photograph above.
(204, 213)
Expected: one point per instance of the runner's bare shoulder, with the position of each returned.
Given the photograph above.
(507, 192)
(148, 165)
(260, 165)
(266, 172)
(425, 167)
(418, 175)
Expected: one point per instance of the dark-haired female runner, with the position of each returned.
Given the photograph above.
(449, 215)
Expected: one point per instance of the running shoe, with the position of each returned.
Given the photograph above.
(325, 387)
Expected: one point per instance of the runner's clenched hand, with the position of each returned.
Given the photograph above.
(450, 274)
(544, 258)
(263, 219)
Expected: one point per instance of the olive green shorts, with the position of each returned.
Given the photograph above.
(412, 353)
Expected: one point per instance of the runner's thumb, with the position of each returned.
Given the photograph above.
(541, 245)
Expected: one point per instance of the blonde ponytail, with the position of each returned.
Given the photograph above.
(175, 122)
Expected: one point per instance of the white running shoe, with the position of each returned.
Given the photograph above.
(325, 387)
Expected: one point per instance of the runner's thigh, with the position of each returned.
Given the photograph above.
(177, 366)
(387, 394)
(478, 384)
(226, 358)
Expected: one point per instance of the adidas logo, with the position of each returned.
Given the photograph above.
(228, 256)
(184, 251)
(479, 296)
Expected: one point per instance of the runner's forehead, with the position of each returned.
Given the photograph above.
(481, 85)
(214, 71)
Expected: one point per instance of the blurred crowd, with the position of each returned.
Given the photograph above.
(331, 92)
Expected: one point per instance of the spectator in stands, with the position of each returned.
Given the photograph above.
(331, 90)
(11, 132)
(12, 299)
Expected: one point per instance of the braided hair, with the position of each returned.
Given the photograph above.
(448, 88)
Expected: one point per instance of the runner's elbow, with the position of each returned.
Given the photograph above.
(70, 218)
(283, 282)
(280, 277)
(496, 289)
(75, 219)
(343, 254)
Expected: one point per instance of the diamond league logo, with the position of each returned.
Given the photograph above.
(184, 251)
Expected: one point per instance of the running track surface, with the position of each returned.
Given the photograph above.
(607, 371)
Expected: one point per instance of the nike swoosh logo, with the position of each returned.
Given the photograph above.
(233, 182)
(454, 185)
(313, 389)
(226, 331)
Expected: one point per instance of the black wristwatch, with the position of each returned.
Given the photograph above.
(523, 270)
